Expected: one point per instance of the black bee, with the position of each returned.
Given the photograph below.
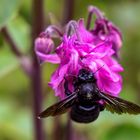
(86, 102)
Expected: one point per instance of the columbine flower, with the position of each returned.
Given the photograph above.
(105, 29)
(85, 49)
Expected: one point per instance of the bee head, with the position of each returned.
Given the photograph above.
(86, 76)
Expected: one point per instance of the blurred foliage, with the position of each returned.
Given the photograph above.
(15, 94)
(8, 10)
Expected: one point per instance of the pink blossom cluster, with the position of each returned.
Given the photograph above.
(81, 47)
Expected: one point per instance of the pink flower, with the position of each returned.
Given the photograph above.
(105, 29)
(75, 55)
(93, 49)
(85, 35)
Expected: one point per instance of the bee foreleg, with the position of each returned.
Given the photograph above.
(67, 91)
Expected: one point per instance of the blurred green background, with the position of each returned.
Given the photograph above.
(15, 93)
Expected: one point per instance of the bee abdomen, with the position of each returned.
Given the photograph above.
(83, 114)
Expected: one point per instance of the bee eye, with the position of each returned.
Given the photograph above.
(90, 76)
(82, 77)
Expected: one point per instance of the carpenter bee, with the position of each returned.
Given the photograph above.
(87, 101)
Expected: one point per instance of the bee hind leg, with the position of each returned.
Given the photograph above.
(102, 107)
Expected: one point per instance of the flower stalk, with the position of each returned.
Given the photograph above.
(13, 46)
(72, 25)
(68, 11)
(36, 79)
(24, 60)
(93, 10)
(51, 29)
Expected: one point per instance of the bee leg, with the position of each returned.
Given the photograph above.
(67, 91)
(102, 107)
(75, 83)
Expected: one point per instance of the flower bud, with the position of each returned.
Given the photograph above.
(43, 44)
(43, 47)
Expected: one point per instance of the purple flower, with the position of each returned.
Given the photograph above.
(105, 29)
(75, 55)
(93, 49)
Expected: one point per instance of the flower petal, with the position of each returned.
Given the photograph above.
(52, 58)
(85, 35)
(108, 86)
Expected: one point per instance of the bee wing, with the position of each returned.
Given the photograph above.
(118, 105)
(60, 107)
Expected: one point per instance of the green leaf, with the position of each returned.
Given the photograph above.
(20, 31)
(8, 9)
(8, 62)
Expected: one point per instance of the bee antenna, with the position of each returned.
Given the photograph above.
(98, 69)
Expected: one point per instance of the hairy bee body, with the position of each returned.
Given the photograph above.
(88, 107)
(84, 114)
